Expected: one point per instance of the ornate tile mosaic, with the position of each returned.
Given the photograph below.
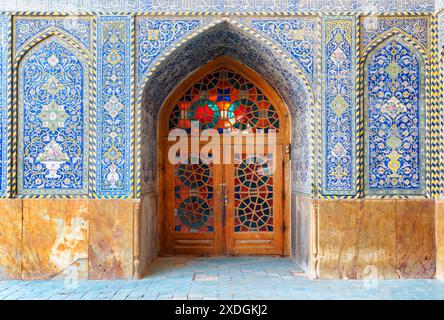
(418, 27)
(114, 121)
(45, 119)
(154, 36)
(224, 39)
(4, 123)
(219, 5)
(395, 121)
(53, 81)
(78, 27)
(297, 37)
(339, 106)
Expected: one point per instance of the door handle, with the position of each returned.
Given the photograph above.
(224, 189)
(225, 196)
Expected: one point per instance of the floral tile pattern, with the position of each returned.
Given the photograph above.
(53, 113)
(53, 140)
(295, 36)
(417, 27)
(155, 36)
(339, 101)
(219, 5)
(4, 121)
(394, 75)
(114, 122)
(27, 28)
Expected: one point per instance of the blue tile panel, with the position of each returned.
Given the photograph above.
(418, 27)
(114, 102)
(221, 5)
(4, 123)
(28, 27)
(395, 122)
(53, 81)
(295, 36)
(155, 36)
(339, 106)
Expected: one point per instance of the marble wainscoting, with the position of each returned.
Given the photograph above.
(388, 239)
(301, 215)
(53, 238)
(111, 239)
(10, 239)
(147, 251)
(440, 240)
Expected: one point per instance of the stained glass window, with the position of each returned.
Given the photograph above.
(253, 192)
(225, 100)
(193, 197)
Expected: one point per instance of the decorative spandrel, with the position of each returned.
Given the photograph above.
(253, 193)
(193, 189)
(222, 100)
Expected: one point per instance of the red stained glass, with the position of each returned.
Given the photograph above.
(225, 100)
(193, 197)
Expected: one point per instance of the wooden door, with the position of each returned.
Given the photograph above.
(221, 212)
(217, 209)
(193, 208)
(254, 204)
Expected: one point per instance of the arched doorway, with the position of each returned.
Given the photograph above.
(227, 194)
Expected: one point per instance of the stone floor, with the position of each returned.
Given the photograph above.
(235, 278)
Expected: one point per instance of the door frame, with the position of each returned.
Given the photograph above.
(283, 138)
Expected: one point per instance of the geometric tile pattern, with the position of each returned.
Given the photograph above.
(193, 190)
(114, 115)
(395, 121)
(339, 106)
(4, 103)
(253, 193)
(53, 81)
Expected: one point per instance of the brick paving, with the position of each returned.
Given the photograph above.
(231, 278)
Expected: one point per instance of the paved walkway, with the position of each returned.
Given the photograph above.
(223, 278)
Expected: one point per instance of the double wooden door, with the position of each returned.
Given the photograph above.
(224, 209)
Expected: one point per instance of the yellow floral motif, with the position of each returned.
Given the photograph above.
(394, 164)
(393, 70)
(339, 105)
(153, 34)
(113, 153)
(52, 85)
(113, 57)
(339, 172)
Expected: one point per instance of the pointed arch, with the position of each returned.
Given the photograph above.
(51, 93)
(59, 33)
(224, 37)
(241, 27)
(396, 32)
(274, 65)
(284, 118)
(391, 107)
